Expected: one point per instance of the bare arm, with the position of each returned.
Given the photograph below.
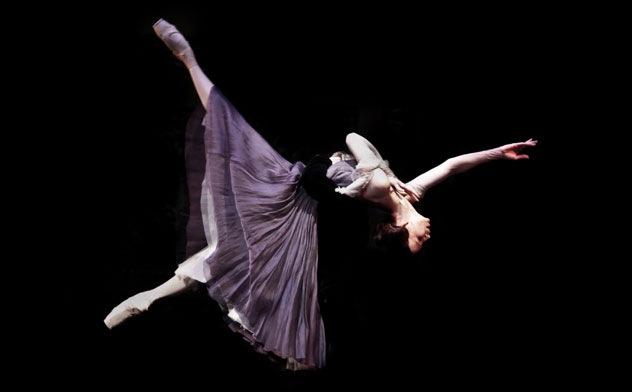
(368, 157)
(383, 178)
(463, 163)
(363, 151)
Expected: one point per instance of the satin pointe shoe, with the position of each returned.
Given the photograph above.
(174, 40)
(130, 307)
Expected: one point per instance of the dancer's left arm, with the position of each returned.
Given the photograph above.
(383, 178)
(462, 163)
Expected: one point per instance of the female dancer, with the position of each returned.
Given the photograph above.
(261, 257)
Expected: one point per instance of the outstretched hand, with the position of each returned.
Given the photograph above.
(512, 151)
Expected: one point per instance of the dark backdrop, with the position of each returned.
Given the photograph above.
(490, 297)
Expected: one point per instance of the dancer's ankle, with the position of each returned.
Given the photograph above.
(188, 59)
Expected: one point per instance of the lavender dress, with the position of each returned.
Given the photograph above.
(260, 253)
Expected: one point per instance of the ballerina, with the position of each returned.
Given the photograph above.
(259, 220)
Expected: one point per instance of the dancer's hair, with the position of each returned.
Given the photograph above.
(387, 236)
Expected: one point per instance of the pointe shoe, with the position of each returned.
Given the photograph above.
(130, 307)
(174, 40)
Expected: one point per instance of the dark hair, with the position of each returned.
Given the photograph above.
(392, 239)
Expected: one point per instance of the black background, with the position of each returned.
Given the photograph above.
(493, 298)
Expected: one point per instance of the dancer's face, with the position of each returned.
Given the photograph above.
(418, 232)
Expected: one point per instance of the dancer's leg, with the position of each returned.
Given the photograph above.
(202, 83)
(176, 42)
(142, 301)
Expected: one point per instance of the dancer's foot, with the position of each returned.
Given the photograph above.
(130, 307)
(175, 41)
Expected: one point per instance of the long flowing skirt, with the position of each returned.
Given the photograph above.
(259, 260)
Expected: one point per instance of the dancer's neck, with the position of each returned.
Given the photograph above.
(403, 211)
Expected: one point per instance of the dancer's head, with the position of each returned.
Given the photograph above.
(405, 237)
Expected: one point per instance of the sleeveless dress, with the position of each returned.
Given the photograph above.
(259, 253)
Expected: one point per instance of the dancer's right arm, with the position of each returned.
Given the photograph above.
(465, 162)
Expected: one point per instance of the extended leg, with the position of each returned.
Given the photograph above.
(176, 42)
(142, 301)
